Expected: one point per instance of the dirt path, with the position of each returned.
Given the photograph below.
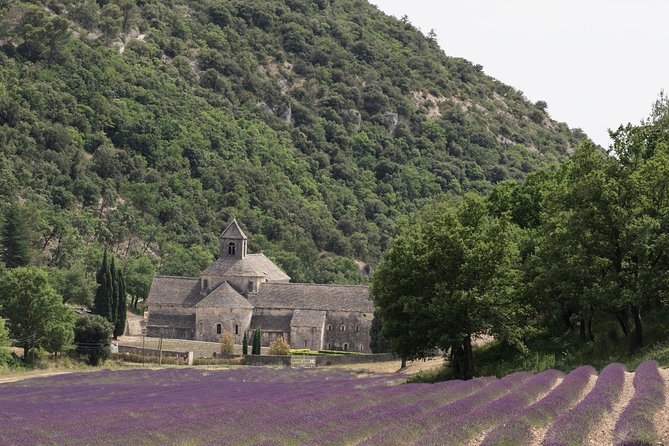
(19, 376)
(602, 434)
(662, 417)
(412, 367)
(539, 434)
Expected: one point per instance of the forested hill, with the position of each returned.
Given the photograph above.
(147, 126)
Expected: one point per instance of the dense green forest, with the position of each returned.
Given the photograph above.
(145, 126)
(570, 266)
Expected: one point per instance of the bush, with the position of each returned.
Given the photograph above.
(227, 344)
(279, 347)
(92, 336)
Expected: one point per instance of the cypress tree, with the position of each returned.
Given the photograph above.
(245, 345)
(113, 274)
(103, 295)
(15, 238)
(121, 315)
(256, 342)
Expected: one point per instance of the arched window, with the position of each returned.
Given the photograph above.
(305, 344)
(329, 327)
(231, 248)
(343, 327)
(357, 328)
(345, 347)
(219, 328)
(362, 348)
(236, 329)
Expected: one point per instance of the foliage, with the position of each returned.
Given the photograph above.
(279, 347)
(105, 292)
(256, 347)
(15, 238)
(76, 284)
(145, 126)
(122, 306)
(92, 336)
(449, 274)
(38, 318)
(227, 343)
(245, 345)
(4, 334)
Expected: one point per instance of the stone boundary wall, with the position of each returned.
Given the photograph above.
(150, 351)
(321, 360)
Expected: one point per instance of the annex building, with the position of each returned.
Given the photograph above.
(240, 292)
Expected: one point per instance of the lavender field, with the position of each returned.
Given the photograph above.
(268, 406)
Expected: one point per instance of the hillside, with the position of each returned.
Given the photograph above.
(146, 126)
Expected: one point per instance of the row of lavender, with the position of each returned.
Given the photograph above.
(284, 406)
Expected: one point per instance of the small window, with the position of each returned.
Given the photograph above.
(231, 248)
(329, 345)
(313, 329)
(305, 344)
(343, 327)
(236, 329)
(219, 328)
(362, 348)
(329, 327)
(345, 347)
(357, 328)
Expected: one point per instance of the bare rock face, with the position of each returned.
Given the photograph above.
(391, 120)
(285, 112)
(352, 115)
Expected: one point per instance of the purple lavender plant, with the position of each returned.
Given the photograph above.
(635, 425)
(572, 427)
(517, 431)
(462, 429)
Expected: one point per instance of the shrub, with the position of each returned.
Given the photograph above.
(227, 344)
(279, 347)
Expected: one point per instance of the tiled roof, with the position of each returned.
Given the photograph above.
(224, 296)
(254, 265)
(233, 231)
(271, 322)
(308, 318)
(171, 320)
(313, 297)
(174, 290)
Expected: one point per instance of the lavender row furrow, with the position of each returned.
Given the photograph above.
(573, 427)
(518, 430)
(635, 425)
(459, 430)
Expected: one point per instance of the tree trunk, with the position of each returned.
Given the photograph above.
(404, 363)
(581, 329)
(622, 320)
(462, 359)
(638, 328)
(590, 335)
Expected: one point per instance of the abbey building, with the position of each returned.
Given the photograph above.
(240, 292)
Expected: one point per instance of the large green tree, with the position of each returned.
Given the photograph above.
(105, 292)
(38, 318)
(450, 274)
(92, 336)
(15, 237)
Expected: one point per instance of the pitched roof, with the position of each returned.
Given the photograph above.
(308, 318)
(174, 290)
(254, 265)
(224, 296)
(313, 297)
(268, 322)
(171, 320)
(233, 231)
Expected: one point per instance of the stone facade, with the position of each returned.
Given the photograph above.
(241, 292)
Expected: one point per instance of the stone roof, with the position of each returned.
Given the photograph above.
(313, 297)
(233, 231)
(171, 320)
(254, 265)
(174, 290)
(224, 296)
(308, 318)
(271, 322)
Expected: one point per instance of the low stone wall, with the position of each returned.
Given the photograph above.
(321, 360)
(150, 351)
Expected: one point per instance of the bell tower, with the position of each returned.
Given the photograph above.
(233, 242)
